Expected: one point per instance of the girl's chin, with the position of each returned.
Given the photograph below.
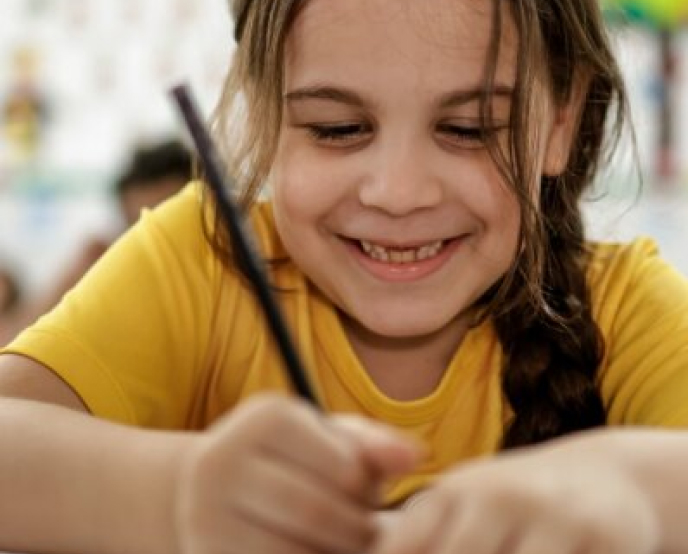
(398, 330)
(402, 326)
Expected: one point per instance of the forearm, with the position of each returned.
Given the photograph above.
(656, 460)
(71, 482)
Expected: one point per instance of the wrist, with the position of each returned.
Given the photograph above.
(175, 460)
(155, 475)
(635, 454)
(652, 457)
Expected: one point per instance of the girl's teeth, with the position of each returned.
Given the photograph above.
(401, 256)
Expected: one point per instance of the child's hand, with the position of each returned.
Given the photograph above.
(562, 498)
(276, 476)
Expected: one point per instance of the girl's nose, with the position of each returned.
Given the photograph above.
(400, 181)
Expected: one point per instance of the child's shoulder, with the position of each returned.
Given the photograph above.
(187, 214)
(631, 272)
(619, 257)
(184, 207)
(613, 265)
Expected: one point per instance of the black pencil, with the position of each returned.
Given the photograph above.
(217, 180)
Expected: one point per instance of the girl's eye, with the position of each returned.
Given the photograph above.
(466, 137)
(339, 133)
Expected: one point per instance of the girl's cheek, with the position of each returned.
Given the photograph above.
(299, 186)
(306, 175)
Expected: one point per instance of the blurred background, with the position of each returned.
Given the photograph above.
(83, 83)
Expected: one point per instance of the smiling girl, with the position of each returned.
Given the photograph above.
(423, 164)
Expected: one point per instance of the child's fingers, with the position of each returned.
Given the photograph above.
(415, 530)
(295, 504)
(542, 537)
(293, 432)
(240, 535)
(386, 451)
(471, 530)
(277, 463)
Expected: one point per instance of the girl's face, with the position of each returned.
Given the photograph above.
(384, 193)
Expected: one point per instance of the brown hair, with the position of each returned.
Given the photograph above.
(541, 308)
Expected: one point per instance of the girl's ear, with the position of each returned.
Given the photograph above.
(565, 126)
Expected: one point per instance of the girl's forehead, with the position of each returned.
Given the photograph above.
(335, 34)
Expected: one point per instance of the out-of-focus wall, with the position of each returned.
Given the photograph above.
(81, 83)
(624, 207)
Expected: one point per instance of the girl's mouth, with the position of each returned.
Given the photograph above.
(403, 263)
(400, 255)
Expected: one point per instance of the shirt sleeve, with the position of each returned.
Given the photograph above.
(131, 337)
(644, 318)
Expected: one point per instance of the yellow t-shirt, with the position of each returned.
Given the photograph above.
(159, 334)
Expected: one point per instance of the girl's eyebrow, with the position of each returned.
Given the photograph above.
(351, 98)
(336, 94)
(458, 98)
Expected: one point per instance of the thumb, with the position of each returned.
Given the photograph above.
(386, 451)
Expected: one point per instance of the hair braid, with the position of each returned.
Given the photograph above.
(551, 360)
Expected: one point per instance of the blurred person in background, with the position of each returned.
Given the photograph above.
(153, 174)
(11, 307)
(10, 292)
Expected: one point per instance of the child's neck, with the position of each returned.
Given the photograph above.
(406, 368)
